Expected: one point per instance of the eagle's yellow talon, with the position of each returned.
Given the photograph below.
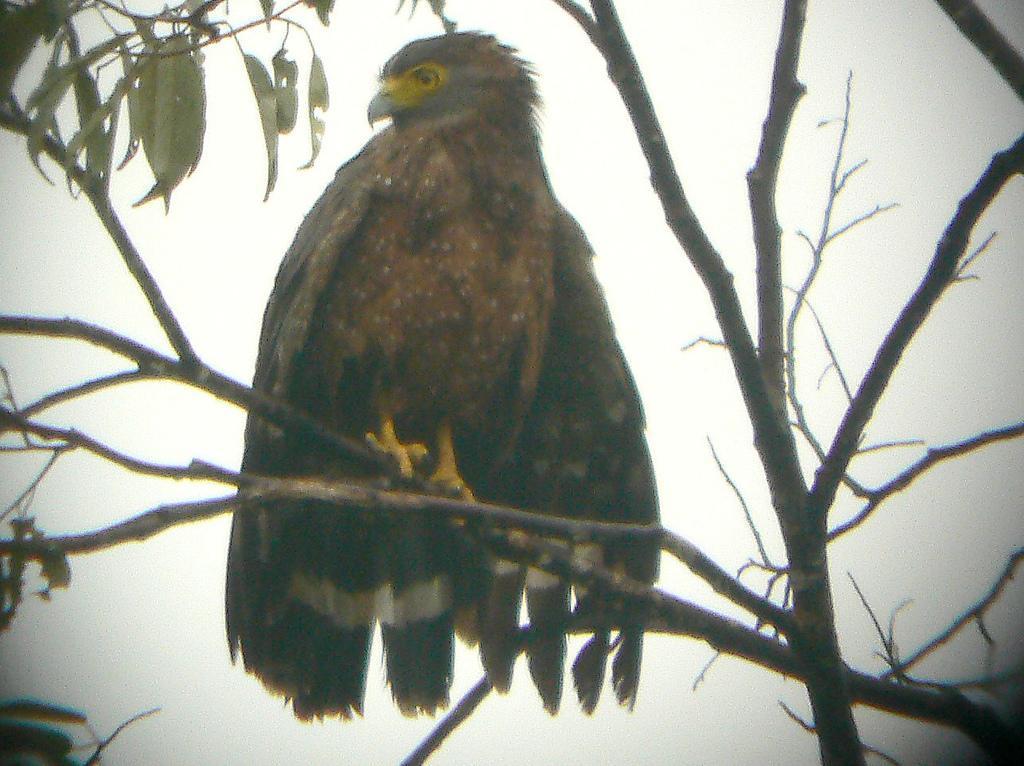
(447, 471)
(405, 455)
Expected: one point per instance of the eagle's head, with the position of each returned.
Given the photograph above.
(456, 77)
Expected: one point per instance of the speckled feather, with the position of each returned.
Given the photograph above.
(438, 278)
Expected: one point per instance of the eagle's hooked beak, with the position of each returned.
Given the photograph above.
(382, 105)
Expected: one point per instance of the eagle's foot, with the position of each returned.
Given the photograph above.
(404, 455)
(446, 472)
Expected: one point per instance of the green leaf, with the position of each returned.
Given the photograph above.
(266, 103)
(171, 115)
(286, 75)
(19, 739)
(323, 10)
(267, 6)
(132, 74)
(319, 98)
(91, 135)
(33, 710)
(61, 77)
(42, 116)
(20, 29)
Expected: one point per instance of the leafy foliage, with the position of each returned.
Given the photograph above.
(155, 63)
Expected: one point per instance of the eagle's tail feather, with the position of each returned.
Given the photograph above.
(626, 665)
(588, 670)
(499, 625)
(419, 658)
(547, 605)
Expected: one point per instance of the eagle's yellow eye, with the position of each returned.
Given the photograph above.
(427, 76)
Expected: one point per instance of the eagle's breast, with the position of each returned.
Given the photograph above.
(445, 291)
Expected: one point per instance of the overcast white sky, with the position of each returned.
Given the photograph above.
(142, 626)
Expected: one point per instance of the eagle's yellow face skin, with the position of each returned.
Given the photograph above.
(412, 87)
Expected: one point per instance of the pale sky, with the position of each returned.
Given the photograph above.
(142, 625)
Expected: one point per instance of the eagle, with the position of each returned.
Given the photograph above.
(440, 303)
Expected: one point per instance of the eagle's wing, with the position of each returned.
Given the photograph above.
(257, 596)
(305, 582)
(581, 453)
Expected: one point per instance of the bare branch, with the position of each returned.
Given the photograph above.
(831, 352)
(200, 376)
(966, 263)
(101, 746)
(889, 445)
(69, 438)
(704, 671)
(23, 499)
(931, 458)
(974, 614)
(704, 341)
(135, 529)
(862, 218)
(940, 274)
(666, 613)
(83, 389)
(581, 17)
(976, 27)
(808, 727)
(774, 440)
(465, 707)
(743, 504)
(723, 583)
(878, 753)
(762, 179)
(12, 118)
(891, 653)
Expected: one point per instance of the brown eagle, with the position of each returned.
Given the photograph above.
(439, 301)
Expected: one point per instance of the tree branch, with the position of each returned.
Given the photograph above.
(665, 613)
(932, 457)
(743, 504)
(762, 180)
(940, 274)
(976, 612)
(153, 364)
(775, 444)
(581, 17)
(83, 389)
(351, 494)
(983, 35)
(12, 118)
(465, 707)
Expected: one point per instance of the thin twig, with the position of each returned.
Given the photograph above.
(772, 436)
(581, 17)
(704, 341)
(12, 118)
(891, 653)
(101, 746)
(966, 263)
(975, 613)
(808, 727)
(931, 458)
(465, 707)
(83, 389)
(202, 377)
(21, 500)
(831, 352)
(743, 504)
(940, 274)
(858, 220)
(704, 671)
